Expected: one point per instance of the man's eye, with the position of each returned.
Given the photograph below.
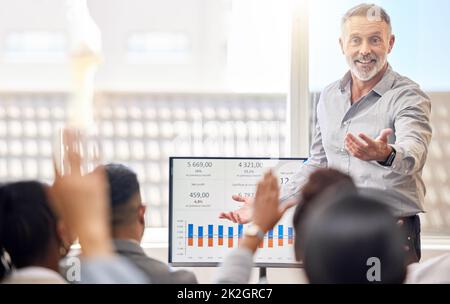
(376, 40)
(355, 40)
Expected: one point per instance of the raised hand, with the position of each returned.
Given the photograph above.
(267, 211)
(82, 202)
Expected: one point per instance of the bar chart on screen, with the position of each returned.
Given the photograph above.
(212, 242)
(214, 236)
(203, 188)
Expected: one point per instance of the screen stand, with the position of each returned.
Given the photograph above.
(262, 275)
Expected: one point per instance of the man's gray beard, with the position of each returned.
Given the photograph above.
(366, 76)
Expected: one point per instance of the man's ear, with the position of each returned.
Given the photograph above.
(391, 43)
(341, 43)
(141, 214)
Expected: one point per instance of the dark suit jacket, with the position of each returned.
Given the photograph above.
(158, 272)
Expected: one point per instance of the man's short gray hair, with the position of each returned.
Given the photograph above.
(373, 12)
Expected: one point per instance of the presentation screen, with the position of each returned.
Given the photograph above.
(201, 188)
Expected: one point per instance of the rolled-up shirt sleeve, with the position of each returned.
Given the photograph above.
(412, 132)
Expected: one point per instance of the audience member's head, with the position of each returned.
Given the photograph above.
(30, 234)
(128, 212)
(353, 239)
(319, 182)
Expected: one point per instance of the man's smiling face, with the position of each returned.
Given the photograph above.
(366, 44)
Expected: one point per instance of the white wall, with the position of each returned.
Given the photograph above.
(201, 20)
(45, 15)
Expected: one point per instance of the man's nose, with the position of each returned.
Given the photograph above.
(365, 48)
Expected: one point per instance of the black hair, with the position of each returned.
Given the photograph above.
(321, 182)
(341, 238)
(27, 224)
(123, 185)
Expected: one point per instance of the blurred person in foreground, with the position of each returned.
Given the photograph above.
(39, 223)
(339, 241)
(32, 238)
(237, 266)
(340, 232)
(128, 225)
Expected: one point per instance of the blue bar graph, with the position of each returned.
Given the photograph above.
(220, 231)
(190, 231)
(190, 235)
(210, 236)
(280, 235)
(219, 234)
(240, 228)
(200, 236)
(210, 231)
(230, 237)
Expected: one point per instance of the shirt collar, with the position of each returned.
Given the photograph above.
(385, 84)
(344, 82)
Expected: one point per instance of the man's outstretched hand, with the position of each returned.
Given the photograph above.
(244, 215)
(369, 149)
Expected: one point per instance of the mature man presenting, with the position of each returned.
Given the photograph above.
(372, 124)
